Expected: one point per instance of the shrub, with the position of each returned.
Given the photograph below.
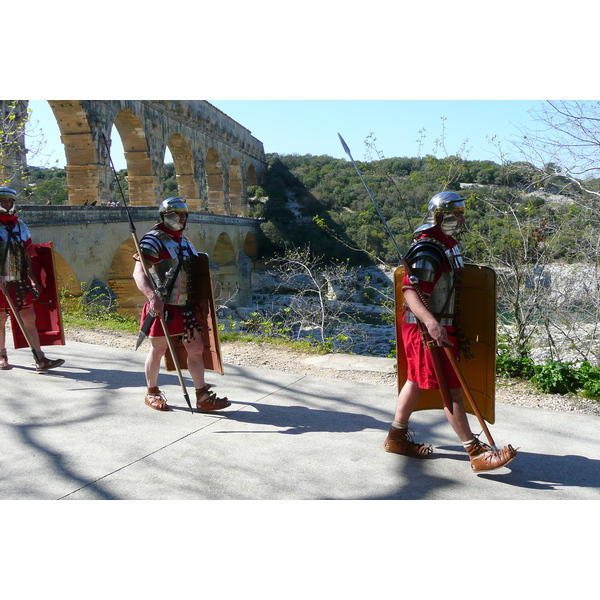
(511, 364)
(556, 377)
(589, 380)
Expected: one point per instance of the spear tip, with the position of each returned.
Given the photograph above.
(345, 146)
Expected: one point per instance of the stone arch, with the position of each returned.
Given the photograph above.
(215, 183)
(142, 184)
(251, 178)
(226, 282)
(183, 161)
(121, 282)
(65, 277)
(250, 246)
(236, 189)
(83, 174)
(224, 253)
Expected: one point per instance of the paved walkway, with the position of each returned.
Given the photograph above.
(83, 432)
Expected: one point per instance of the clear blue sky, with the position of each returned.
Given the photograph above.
(299, 74)
(311, 126)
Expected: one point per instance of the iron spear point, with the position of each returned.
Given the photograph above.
(392, 236)
(345, 146)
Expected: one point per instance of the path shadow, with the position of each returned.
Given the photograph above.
(294, 420)
(535, 471)
(531, 470)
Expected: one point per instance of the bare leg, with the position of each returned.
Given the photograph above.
(195, 348)
(3, 318)
(407, 401)
(195, 362)
(3, 356)
(152, 367)
(206, 400)
(458, 420)
(399, 439)
(155, 398)
(28, 318)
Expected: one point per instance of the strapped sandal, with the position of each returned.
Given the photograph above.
(156, 399)
(46, 364)
(483, 457)
(208, 401)
(4, 366)
(399, 441)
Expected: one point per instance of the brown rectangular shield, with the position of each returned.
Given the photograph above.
(203, 295)
(48, 316)
(478, 307)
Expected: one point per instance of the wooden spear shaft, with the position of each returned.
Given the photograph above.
(150, 281)
(430, 342)
(19, 320)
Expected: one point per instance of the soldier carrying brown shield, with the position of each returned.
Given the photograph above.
(431, 305)
(180, 293)
(20, 287)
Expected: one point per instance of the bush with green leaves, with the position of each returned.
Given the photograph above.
(512, 364)
(589, 379)
(556, 377)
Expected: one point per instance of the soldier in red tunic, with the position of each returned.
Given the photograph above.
(168, 253)
(436, 264)
(18, 279)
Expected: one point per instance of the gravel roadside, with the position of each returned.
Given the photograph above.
(283, 359)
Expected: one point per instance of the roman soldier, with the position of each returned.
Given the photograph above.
(19, 280)
(181, 291)
(431, 297)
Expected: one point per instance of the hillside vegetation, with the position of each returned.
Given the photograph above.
(538, 230)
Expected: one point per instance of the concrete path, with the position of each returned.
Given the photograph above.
(82, 432)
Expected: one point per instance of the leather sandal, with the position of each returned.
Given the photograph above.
(4, 366)
(399, 441)
(47, 363)
(483, 457)
(156, 399)
(208, 401)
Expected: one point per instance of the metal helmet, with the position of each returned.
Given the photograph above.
(449, 205)
(6, 192)
(169, 212)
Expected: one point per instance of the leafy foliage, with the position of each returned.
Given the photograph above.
(556, 377)
(509, 363)
(81, 312)
(13, 120)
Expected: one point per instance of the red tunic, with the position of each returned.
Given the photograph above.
(10, 221)
(419, 364)
(176, 323)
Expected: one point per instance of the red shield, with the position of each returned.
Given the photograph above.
(48, 318)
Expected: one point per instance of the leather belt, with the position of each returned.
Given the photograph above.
(409, 317)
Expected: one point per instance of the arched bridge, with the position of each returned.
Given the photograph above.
(215, 158)
(96, 241)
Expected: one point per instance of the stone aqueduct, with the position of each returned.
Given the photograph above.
(215, 160)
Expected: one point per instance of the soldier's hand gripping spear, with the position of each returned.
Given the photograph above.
(430, 344)
(161, 315)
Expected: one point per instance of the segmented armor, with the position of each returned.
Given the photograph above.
(427, 258)
(13, 266)
(172, 279)
(13, 262)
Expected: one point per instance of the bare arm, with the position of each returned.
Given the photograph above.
(156, 304)
(436, 331)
